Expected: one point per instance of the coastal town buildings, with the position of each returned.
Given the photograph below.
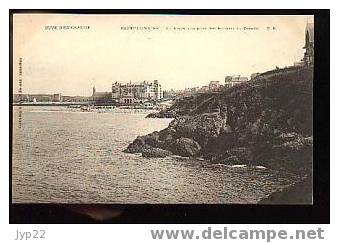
(214, 85)
(57, 97)
(231, 81)
(204, 89)
(40, 98)
(169, 94)
(101, 97)
(76, 99)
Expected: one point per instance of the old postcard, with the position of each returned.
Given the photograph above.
(162, 109)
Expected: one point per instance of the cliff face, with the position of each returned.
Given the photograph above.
(267, 121)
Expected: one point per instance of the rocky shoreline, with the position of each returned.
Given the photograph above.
(267, 122)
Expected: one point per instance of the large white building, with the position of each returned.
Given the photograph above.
(136, 92)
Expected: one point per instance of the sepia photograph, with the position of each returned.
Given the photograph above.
(161, 109)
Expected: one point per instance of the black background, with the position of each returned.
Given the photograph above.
(319, 212)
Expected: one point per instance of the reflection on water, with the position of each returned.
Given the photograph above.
(76, 157)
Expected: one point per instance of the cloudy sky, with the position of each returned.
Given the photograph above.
(71, 61)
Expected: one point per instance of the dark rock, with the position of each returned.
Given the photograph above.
(152, 139)
(137, 146)
(240, 155)
(230, 160)
(154, 115)
(293, 152)
(226, 129)
(155, 153)
(162, 114)
(299, 193)
(168, 139)
(201, 128)
(143, 143)
(267, 121)
(186, 147)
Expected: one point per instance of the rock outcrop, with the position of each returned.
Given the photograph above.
(267, 121)
(155, 152)
(299, 193)
(162, 114)
(186, 147)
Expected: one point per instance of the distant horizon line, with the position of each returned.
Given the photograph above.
(139, 82)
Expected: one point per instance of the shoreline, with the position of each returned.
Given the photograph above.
(266, 122)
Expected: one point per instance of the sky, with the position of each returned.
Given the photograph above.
(71, 61)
